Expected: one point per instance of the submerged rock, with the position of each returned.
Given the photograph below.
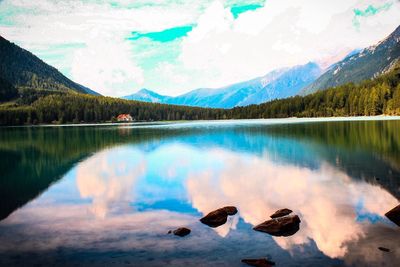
(384, 249)
(181, 231)
(281, 213)
(258, 262)
(218, 217)
(394, 215)
(283, 226)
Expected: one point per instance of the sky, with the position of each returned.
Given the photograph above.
(174, 46)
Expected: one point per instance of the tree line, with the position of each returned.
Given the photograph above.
(371, 97)
(79, 108)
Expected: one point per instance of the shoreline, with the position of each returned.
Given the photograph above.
(226, 122)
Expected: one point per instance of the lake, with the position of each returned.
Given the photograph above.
(108, 194)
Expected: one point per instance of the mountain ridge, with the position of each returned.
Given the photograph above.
(368, 63)
(276, 84)
(23, 69)
(146, 95)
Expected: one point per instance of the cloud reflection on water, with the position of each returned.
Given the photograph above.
(329, 202)
(109, 177)
(325, 198)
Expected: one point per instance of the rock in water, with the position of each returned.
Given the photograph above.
(231, 210)
(218, 217)
(258, 262)
(283, 226)
(281, 213)
(182, 231)
(215, 218)
(384, 249)
(394, 215)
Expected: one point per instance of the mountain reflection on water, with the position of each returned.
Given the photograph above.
(107, 195)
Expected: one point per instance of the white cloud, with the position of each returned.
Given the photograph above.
(282, 33)
(166, 71)
(220, 50)
(106, 64)
(108, 179)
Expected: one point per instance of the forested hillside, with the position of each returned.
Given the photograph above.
(24, 70)
(7, 90)
(371, 97)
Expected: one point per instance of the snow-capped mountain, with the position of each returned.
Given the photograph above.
(146, 96)
(366, 64)
(276, 84)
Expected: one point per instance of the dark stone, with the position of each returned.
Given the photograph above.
(283, 226)
(394, 215)
(384, 249)
(182, 231)
(230, 210)
(258, 262)
(218, 217)
(215, 218)
(281, 213)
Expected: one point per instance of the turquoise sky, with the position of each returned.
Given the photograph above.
(172, 46)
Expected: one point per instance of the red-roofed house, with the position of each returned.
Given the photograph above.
(124, 117)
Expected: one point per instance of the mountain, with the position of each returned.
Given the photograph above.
(277, 84)
(366, 64)
(22, 69)
(284, 84)
(225, 97)
(146, 96)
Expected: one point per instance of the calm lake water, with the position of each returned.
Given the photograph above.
(107, 195)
